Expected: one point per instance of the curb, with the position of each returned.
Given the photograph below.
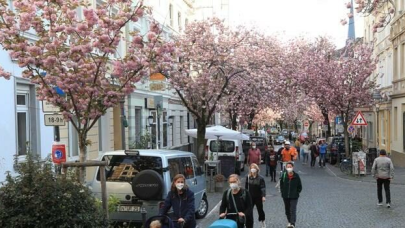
(345, 177)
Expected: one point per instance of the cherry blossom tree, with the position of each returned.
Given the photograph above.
(349, 83)
(74, 46)
(383, 10)
(210, 56)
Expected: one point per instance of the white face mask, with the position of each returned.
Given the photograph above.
(254, 147)
(253, 170)
(289, 170)
(234, 186)
(179, 186)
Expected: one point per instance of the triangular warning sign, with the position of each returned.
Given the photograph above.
(359, 120)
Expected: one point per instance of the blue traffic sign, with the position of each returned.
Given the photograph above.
(58, 154)
(351, 129)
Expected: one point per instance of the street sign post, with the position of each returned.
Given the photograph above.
(351, 129)
(359, 120)
(306, 124)
(54, 120)
(48, 107)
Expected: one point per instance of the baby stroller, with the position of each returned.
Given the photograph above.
(166, 221)
(224, 223)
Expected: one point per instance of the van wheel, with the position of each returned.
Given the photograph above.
(203, 209)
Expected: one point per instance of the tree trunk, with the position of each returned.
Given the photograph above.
(326, 119)
(82, 156)
(346, 134)
(201, 140)
(232, 117)
(251, 117)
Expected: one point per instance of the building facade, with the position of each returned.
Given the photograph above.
(397, 37)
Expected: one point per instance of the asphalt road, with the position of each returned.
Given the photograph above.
(327, 201)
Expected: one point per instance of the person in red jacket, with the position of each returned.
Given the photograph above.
(254, 155)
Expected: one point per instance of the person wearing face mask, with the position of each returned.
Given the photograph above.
(257, 188)
(237, 200)
(181, 199)
(290, 187)
(254, 155)
(288, 154)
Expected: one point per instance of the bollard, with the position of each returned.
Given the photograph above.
(211, 179)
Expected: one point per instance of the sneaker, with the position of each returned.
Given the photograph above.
(289, 225)
(388, 205)
(262, 224)
(379, 204)
(292, 225)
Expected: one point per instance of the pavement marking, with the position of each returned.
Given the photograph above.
(216, 206)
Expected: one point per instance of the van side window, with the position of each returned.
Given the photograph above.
(175, 167)
(188, 168)
(198, 169)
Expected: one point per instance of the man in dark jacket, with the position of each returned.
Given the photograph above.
(270, 159)
(290, 187)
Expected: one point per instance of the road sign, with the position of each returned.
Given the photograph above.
(306, 123)
(350, 129)
(58, 153)
(49, 107)
(54, 120)
(359, 120)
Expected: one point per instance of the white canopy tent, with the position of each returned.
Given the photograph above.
(219, 132)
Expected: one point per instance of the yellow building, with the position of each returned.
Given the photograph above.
(397, 37)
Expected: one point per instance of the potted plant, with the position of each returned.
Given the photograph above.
(219, 182)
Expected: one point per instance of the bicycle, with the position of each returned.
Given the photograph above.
(346, 166)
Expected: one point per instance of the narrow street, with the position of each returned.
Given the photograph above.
(329, 201)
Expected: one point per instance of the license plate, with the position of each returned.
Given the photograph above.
(131, 208)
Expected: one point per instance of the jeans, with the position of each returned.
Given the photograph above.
(267, 169)
(273, 172)
(298, 152)
(290, 206)
(322, 159)
(259, 205)
(386, 183)
(305, 160)
(313, 160)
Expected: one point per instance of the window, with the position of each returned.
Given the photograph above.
(179, 21)
(186, 22)
(396, 65)
(175, 167)
(73, 140)
(123, 168)
(173, 131)
(100, 135)
(188, 168)
(171, 14)
(198, 168)
(154, 129)
(396, 123)
(382, 121)
(181, 129)
(23, 131)
(370, 131)
(164, 129)
(403, 130)
(222, 146)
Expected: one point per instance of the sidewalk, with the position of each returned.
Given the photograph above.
(399, 175)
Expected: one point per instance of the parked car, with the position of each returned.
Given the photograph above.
(226, 147)
(333, 148)
(279, 140)
(142, 179)
(284, 132)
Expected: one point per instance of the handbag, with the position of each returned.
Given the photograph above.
(240, 219)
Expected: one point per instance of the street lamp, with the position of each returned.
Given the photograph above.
(150, 121)
(171, 119)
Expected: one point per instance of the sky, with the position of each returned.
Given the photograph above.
(291, 18)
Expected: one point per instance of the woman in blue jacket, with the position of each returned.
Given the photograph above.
(181, 199)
